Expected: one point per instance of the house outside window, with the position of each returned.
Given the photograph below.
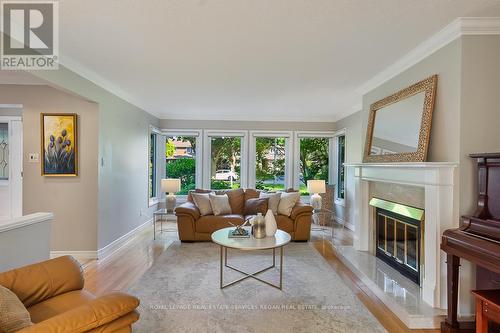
(181, 161)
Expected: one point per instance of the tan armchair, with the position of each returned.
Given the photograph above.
(194, 227)
(53, 293)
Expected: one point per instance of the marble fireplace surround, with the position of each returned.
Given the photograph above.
(438, 179)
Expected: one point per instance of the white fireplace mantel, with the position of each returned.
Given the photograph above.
(441, 212)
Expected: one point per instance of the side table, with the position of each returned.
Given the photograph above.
(162, 215)
(487, 310)
(320, 215)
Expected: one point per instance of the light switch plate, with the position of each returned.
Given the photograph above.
(34, 157)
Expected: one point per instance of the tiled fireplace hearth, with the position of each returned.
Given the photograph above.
(417, 254)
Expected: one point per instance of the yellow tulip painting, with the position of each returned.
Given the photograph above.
(59, 144)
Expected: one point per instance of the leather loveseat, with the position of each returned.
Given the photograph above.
(52, 291)
(194, 227)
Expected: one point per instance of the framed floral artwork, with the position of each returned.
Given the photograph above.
(59, 144)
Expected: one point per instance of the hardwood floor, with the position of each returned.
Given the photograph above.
(124, 267)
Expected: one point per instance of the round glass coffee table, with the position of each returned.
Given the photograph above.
(279, 240)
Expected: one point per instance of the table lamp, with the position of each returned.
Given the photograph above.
(170, 186)
(316, 187)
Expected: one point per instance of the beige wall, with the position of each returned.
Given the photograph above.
(122, 156)
(246, 125)
(445, 132)
(480, 110)
(73, 200)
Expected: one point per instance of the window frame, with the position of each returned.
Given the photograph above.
(288, 135)
(296, 162)
(339, 133)
(197, 133)
(154, 199)
(207, 154)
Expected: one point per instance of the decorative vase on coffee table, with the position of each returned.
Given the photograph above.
(259, 226)
(271, 225)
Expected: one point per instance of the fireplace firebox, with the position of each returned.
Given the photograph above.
(398, 235)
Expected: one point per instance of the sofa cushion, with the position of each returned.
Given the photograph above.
(202, 201)
(59, 304)
(251, 194)
(287, 202)
(220, 204)
(256, 205)
(274, 200)
(236, 199)
(198, 190)
(285, 223)
(211, 223)
(13, 314)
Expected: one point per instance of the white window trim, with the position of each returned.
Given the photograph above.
(197, 133)
(337, 200)
(207, 150)
(288, 135)
(155, 199)
(296, 153)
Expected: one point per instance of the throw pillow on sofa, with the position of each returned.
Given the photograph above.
(274, 200)
(287, 202)
(13, 313)
(220, 204)
(202, 201)
(256, 205)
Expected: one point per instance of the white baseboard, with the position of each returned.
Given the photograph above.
(117, 244)
(106, 251)
(79, 255)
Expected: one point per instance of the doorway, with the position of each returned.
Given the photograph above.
(11, 167)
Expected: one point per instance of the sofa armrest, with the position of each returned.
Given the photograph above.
(300, 208)
(188, 208)
(95, 313)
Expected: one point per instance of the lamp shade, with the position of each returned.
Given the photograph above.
(316, 186)
(170, 185)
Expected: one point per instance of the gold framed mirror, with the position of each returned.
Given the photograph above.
(399, 125)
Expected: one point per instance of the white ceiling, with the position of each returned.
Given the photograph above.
(296, 60)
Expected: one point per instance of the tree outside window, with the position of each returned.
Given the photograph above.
(340, 167)
(225, 163)
(270, 163)
(181, 161)
(152, 165)
(314, 161)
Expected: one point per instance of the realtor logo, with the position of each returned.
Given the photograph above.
(30, 35)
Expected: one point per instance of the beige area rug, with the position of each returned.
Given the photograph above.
(181, 293)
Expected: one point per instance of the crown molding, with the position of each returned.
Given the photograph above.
(459, 27)
(304, 118)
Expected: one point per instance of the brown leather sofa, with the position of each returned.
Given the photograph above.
(53, 293)
(194, 227)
